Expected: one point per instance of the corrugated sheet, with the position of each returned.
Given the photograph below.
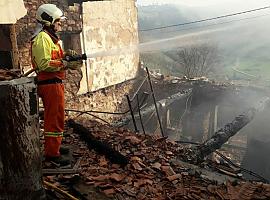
(11, 11)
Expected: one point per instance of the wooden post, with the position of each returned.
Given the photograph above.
(15, 51)
(20, 156)
(164, 119)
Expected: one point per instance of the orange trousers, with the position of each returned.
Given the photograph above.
(52, 96)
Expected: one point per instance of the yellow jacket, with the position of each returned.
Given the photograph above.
(47, 57)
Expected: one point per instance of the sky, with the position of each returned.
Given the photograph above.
(209, 3)
(210, 8)
(185, 2)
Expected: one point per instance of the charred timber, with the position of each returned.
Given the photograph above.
(99, 146)
(221, 136)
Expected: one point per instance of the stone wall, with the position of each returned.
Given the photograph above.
(110, 27)
(107, 25)
(109, 99)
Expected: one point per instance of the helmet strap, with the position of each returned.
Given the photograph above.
(51, 32)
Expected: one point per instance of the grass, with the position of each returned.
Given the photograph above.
(257, 68)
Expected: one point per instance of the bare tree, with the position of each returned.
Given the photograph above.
(198, 60)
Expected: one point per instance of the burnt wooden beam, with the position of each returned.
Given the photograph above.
(100, 147)
(20, 155)
(197, 154)
(60, 171)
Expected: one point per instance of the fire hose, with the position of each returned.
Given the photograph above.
(66, 58)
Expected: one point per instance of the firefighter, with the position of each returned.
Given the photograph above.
(47, 60)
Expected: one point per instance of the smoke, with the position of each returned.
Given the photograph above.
(245, 45)
(179, 41)
(37, 30)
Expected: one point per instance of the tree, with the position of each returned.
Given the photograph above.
(20, 156)
(197, 60)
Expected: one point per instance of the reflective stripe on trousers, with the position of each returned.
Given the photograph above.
(53, 134)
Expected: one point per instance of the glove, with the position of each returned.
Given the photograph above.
(70, 52)
(72, 64)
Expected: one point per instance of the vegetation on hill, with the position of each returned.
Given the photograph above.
(242, 45)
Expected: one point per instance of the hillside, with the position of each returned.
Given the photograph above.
(242, 44)
(159, 15)
(160, 60)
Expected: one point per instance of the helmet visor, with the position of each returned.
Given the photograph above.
(63, 18)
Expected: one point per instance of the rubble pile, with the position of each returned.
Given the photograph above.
(6, 75)
(152, 172)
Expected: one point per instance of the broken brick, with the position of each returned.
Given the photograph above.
(168, 170)
(117, 177)
(174, 177)
(109, 192)
(156, 166)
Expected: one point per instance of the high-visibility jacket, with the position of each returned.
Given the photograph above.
(47, 57)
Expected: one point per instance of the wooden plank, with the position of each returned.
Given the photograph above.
(15, 51)
(60, 171)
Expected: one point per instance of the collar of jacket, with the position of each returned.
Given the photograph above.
(51, 33)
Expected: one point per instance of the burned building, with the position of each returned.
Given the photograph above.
(91, 27)
(117, 161)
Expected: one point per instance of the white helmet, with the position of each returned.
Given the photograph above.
(48, 13)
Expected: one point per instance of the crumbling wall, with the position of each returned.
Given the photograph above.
(108, 24)
(109, 99)
(112, 25)
(26, 26)
(109, 27)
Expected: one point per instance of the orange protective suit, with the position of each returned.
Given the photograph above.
(47, 57)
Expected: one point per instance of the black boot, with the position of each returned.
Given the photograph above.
(61, 160)
(64, 150)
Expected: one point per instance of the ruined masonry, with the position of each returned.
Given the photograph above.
(102, 82)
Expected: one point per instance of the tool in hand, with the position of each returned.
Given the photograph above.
(75, 58)
(66, 58)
